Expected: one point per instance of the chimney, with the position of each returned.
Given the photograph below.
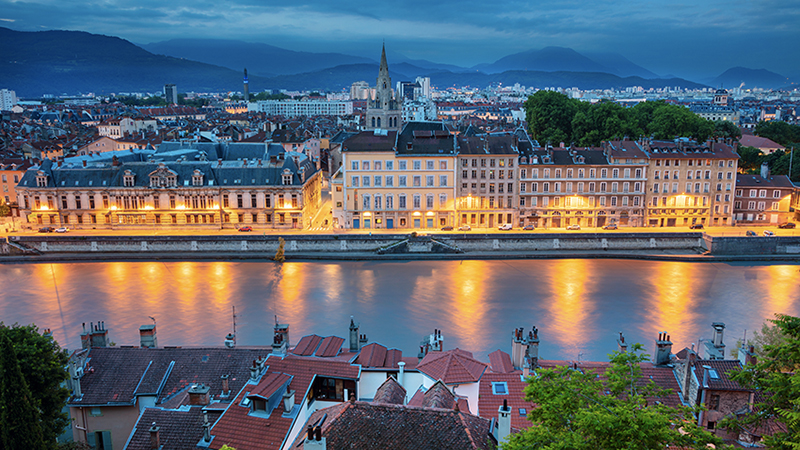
(503, 421)
(280, 341)
(254, 371)
(354, 344)
(526, 368)
(691, 357)
(663, 349)
(206, 429)
(199, 395)
(362, 340)
(226, 387)
(59, 163)
(288, 400)
(401, 374)
(147, 336)
(719, 328)
(765, 170)
(622, 346)
(533, 347)
(230, 340)
(155, 440)
(219, 162)
(84, 165)
(409, 145)
(76, 380)
(314, 439)
(97, 336)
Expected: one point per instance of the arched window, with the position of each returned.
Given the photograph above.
(379, 122)
(373, 122)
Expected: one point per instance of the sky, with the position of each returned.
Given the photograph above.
(684, 38)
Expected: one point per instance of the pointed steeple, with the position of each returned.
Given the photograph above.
(384, 65)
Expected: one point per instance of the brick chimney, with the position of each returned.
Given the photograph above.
(97, 336)
(503, 421)
(155, 439)
(280, 341)
(147, 336)
(226, 387)
(622, 346)
(747, 355)
(354, 338)
(525, 347)
(663, 349)
(199, 395)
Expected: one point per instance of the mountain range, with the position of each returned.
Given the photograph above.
(57, 62)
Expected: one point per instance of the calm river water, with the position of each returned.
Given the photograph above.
(578, 305)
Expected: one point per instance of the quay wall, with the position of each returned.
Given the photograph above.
(495, 245)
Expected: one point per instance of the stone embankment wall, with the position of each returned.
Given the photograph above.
(463, 244)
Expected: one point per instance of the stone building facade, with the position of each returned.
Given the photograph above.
(385, 111)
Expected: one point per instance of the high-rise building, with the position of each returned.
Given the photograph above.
(385, 111)
(246, 87)
(171, 94)
(8, 99)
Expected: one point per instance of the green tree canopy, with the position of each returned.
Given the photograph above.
(577, 410)
(19, 409)
(777, 374)
(43, 366)
(780, 132)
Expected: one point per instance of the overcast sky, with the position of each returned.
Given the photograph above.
(685, 38)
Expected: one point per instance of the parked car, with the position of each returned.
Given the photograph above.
(447, 228)
(787, 225)
(696, 226)
(750, 233)
(528, 228)
(46, 230)
(62, 230)
(611, 226)
(768, 233)
(574, 226)
(248, 228)
(505, 226)
(464, 228)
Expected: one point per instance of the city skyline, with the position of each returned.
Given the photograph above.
(686, 40)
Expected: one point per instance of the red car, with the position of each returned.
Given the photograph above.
(245, 228)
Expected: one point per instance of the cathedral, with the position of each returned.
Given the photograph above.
(385, 111)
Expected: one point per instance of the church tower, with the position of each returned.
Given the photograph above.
(385, 111)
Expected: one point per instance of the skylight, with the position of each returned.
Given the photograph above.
(499, 388)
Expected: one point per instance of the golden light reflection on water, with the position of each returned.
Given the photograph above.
(783, 287)
(468, 286)
(672, 307)
(290, 302)
(333, 288)
(570, 308)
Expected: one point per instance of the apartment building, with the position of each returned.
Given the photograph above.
(689, 183)
(588, 187)
(763, 199)
(487, 181)
(397, 180)
(196, 186)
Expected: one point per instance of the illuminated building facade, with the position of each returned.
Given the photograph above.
(763, 199)
(689, 183)
(487, 181)
(397, 180)
(588, 187)
(194, 186)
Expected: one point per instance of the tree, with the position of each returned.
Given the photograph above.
(750, 159)
(5, 210)
(576, 410)
(550, 115)
(780, 132)
(777, 375)
(19, 414)
(43, 365)
(770, 334)
(726, 129)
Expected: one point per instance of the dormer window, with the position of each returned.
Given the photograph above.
(41, 179)
(287, 177)
(197, 178)
(127, 179)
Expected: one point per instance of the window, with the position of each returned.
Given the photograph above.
(402, 180)
(354, 181)
(429, 180)
(354, 165)
(776, 194)
(389, 202)
(417, 165)
(377, 202)
(239, 201)
(366, 199)
(443, 165)
(365, 181)
(417, 181)
(401, 165)
(775, 206)
(389, 181)
(499, 388)
(389, 165)
(762, 193)
(377, 181)
(442, 200)
(225, 202)
(442, 180)
(401, 201)
(253, 201)
(417, 201)
(376, 165)
(365, 165)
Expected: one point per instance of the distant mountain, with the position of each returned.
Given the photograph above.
(259, 59)
(620, 65)
(398, 58)
(548, 59)
(750, 78)
(57, 62)
(340, 77)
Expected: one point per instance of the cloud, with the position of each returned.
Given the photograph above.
(665, 36)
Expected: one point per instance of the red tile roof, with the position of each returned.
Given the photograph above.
(724, 369)
(500, 362)
(453, 366)
(330, 346)
(307, 345)
(489, 402)
(390, 392)
(269, 384)
(372, 355)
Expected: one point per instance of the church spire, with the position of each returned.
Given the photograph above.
(384, 65)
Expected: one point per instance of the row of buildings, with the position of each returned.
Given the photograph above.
(427, 176)
(327, 393)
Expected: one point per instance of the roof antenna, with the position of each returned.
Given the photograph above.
(233, 317)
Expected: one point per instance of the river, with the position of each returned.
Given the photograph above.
(579, 305)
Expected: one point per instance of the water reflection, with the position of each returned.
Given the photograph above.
(575, 303)
(672, 303)
(570, 307)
